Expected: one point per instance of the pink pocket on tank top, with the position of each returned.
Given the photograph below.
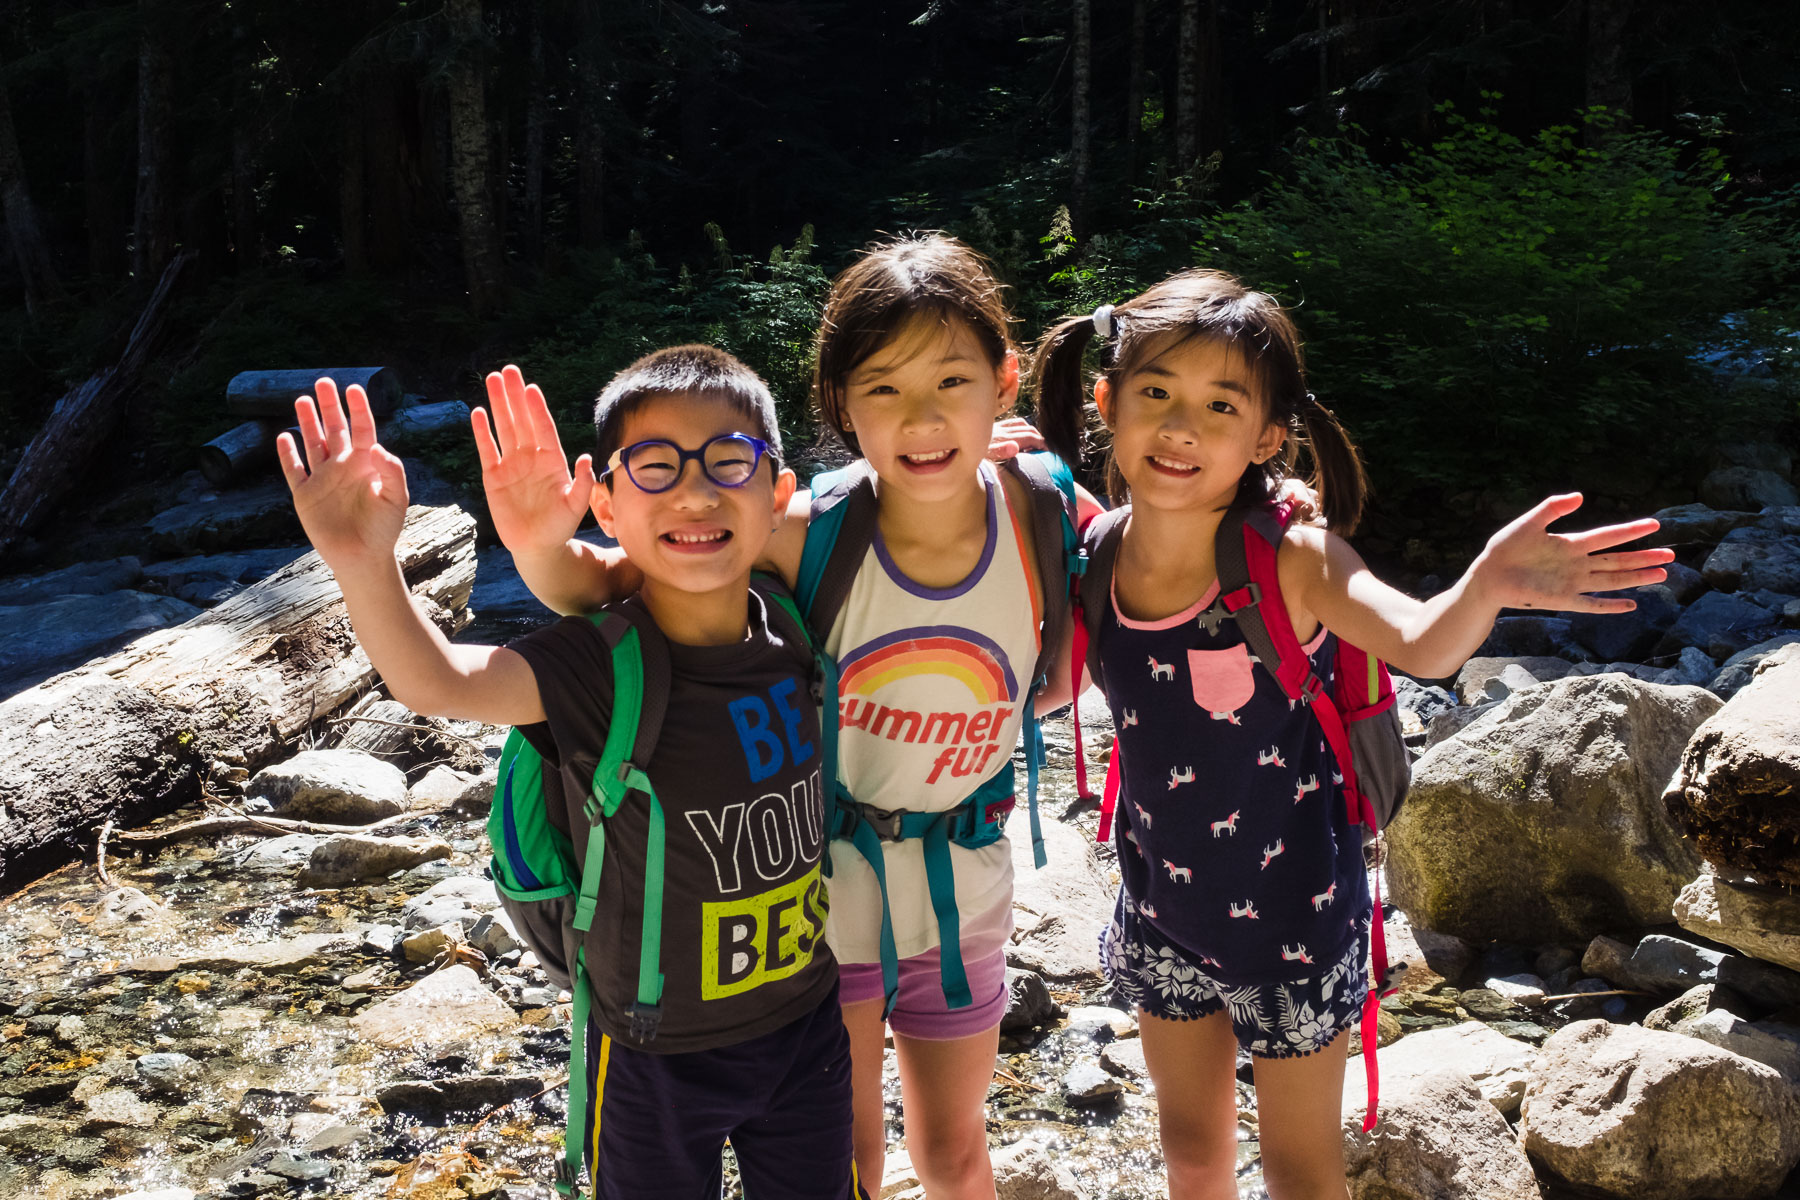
(1224, 680)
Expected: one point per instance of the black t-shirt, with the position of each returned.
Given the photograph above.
(736, 767)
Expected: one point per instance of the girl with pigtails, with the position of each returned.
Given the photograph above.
(1243, 917)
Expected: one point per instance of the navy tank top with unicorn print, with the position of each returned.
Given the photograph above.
(1232, 835)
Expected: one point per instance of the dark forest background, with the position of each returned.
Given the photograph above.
(1531, 242)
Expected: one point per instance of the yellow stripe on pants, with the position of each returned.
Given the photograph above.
(599, 1094)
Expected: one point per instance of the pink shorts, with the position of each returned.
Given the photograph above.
(920, 1011)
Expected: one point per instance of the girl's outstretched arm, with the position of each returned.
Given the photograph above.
(1523, 566)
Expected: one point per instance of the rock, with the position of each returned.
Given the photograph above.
(1753, 559)
(1628, 1111)
(38, 640)
(27, 1131)
(1517, 989)
(82, 579)
(1693, 667)
(1682, 583)
(1086, 1085)
(446, 1006)
(285, 855)
(210, 579)
(128, 904)
(1742, 667)
(461, 898)
(1452, 721)
(1631, 635)
(341, 787)
(427, 944)
(118, 1107)
(1027, 1171)
(283, 956)
(1667, 964)
(1421, 700)
(1746, 488)
(1552, 960)
(1125, 1059)
(1028, 1002)
(335, 1137)
(1719, 624)
(1761, 922)
(347, 857)
(1437, 1136)
(1498, 1066)
(1058, 911)
(457, 1094)
(365, 980)
(297, 1168)
(1421, 959)
(1542, 821)
(168, 1193)
(1511, 679)
(1101, 1022)
(168, 1074)
(1697, 524)
(1531, 635)
(446, 788)
(1764, 456)
(380, 940)
(242, 517)
(1690, 1006)
(1472, 680)
(494, 934)
(1772, 1043)
(1734, 792)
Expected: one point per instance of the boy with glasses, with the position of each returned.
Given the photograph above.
(733, 1031)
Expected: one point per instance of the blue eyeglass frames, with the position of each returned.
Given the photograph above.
(729, 460)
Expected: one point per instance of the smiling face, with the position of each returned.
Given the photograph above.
(923, 406)
(698, 536)
(1187, 419)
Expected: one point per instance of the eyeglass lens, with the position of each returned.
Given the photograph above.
(729, 461)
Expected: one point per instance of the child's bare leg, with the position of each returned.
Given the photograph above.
(1194, 1067)
(1300, 1107)
(945, 1085)
(868, 1135)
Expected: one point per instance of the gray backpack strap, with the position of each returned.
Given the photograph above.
(852, 494)
(1231, 561)
(1101, 538)
(1049, 510)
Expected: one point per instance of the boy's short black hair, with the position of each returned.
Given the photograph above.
(684, 370)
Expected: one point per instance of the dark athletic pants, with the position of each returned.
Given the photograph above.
(783, 1101)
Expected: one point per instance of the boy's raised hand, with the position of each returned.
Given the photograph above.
(352, 503)
(1527, 566)
(536, 504)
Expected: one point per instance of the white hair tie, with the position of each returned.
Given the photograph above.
(1103, 321)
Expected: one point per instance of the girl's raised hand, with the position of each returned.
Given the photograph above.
(352, 503)
(1527, 566)
(536, 504)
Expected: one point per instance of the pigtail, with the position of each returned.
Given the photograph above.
(1338, 474)
(1062, 387)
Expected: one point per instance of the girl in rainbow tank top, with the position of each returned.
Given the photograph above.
(937, 641)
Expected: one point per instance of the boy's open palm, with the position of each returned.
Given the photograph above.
(1527, 566)
(536, 504)
(352, 502)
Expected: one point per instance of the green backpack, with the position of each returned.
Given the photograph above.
(535, 861)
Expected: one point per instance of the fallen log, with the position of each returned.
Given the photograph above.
(58, 456)
(271, 394)
(132, 736)
(151, 840)
(247, 448)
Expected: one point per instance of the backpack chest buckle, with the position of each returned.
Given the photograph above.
(888, 823)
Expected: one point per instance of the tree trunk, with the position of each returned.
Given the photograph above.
(246, 247)
(1608, 82)
(483, 258)
(1187, 87)
(390, 187)
(58, 455)
(590, 129)
(105, 220)
(1081, 141)
(537, 116)
(154, 241)
(352, 171)
(37, 271)
(132, 736)
(1134, 90)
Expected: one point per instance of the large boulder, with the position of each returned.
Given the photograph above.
(1747, 488)
(1436, 1136)
(1753, 558)
(82, 579)
(1625, 1111)
(1499, 1066)
(1472, 680)
(342, 787)
(1739, 779)
(1743, 666)
(38, 640)
(1614, 637)
(347, 857)
(1762, 922)
(1719, 624)
(1541, 821)
(1058, 912)
(444, 1008)
(1698, 524)
(1668, 966)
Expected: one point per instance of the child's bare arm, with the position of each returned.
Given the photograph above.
(352, 505)
(1523, 566)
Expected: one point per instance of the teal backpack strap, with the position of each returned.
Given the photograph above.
(839, 530)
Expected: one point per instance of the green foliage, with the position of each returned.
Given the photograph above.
(765, 313)
(1503, 314)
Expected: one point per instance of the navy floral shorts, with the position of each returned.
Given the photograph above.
(1270, 1020)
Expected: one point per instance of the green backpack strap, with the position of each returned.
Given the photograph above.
(640, 700)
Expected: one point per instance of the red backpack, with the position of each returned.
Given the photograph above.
(1358, 716)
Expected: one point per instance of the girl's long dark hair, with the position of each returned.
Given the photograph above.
(1213, 306)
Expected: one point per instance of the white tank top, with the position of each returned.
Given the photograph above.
(932, 685)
